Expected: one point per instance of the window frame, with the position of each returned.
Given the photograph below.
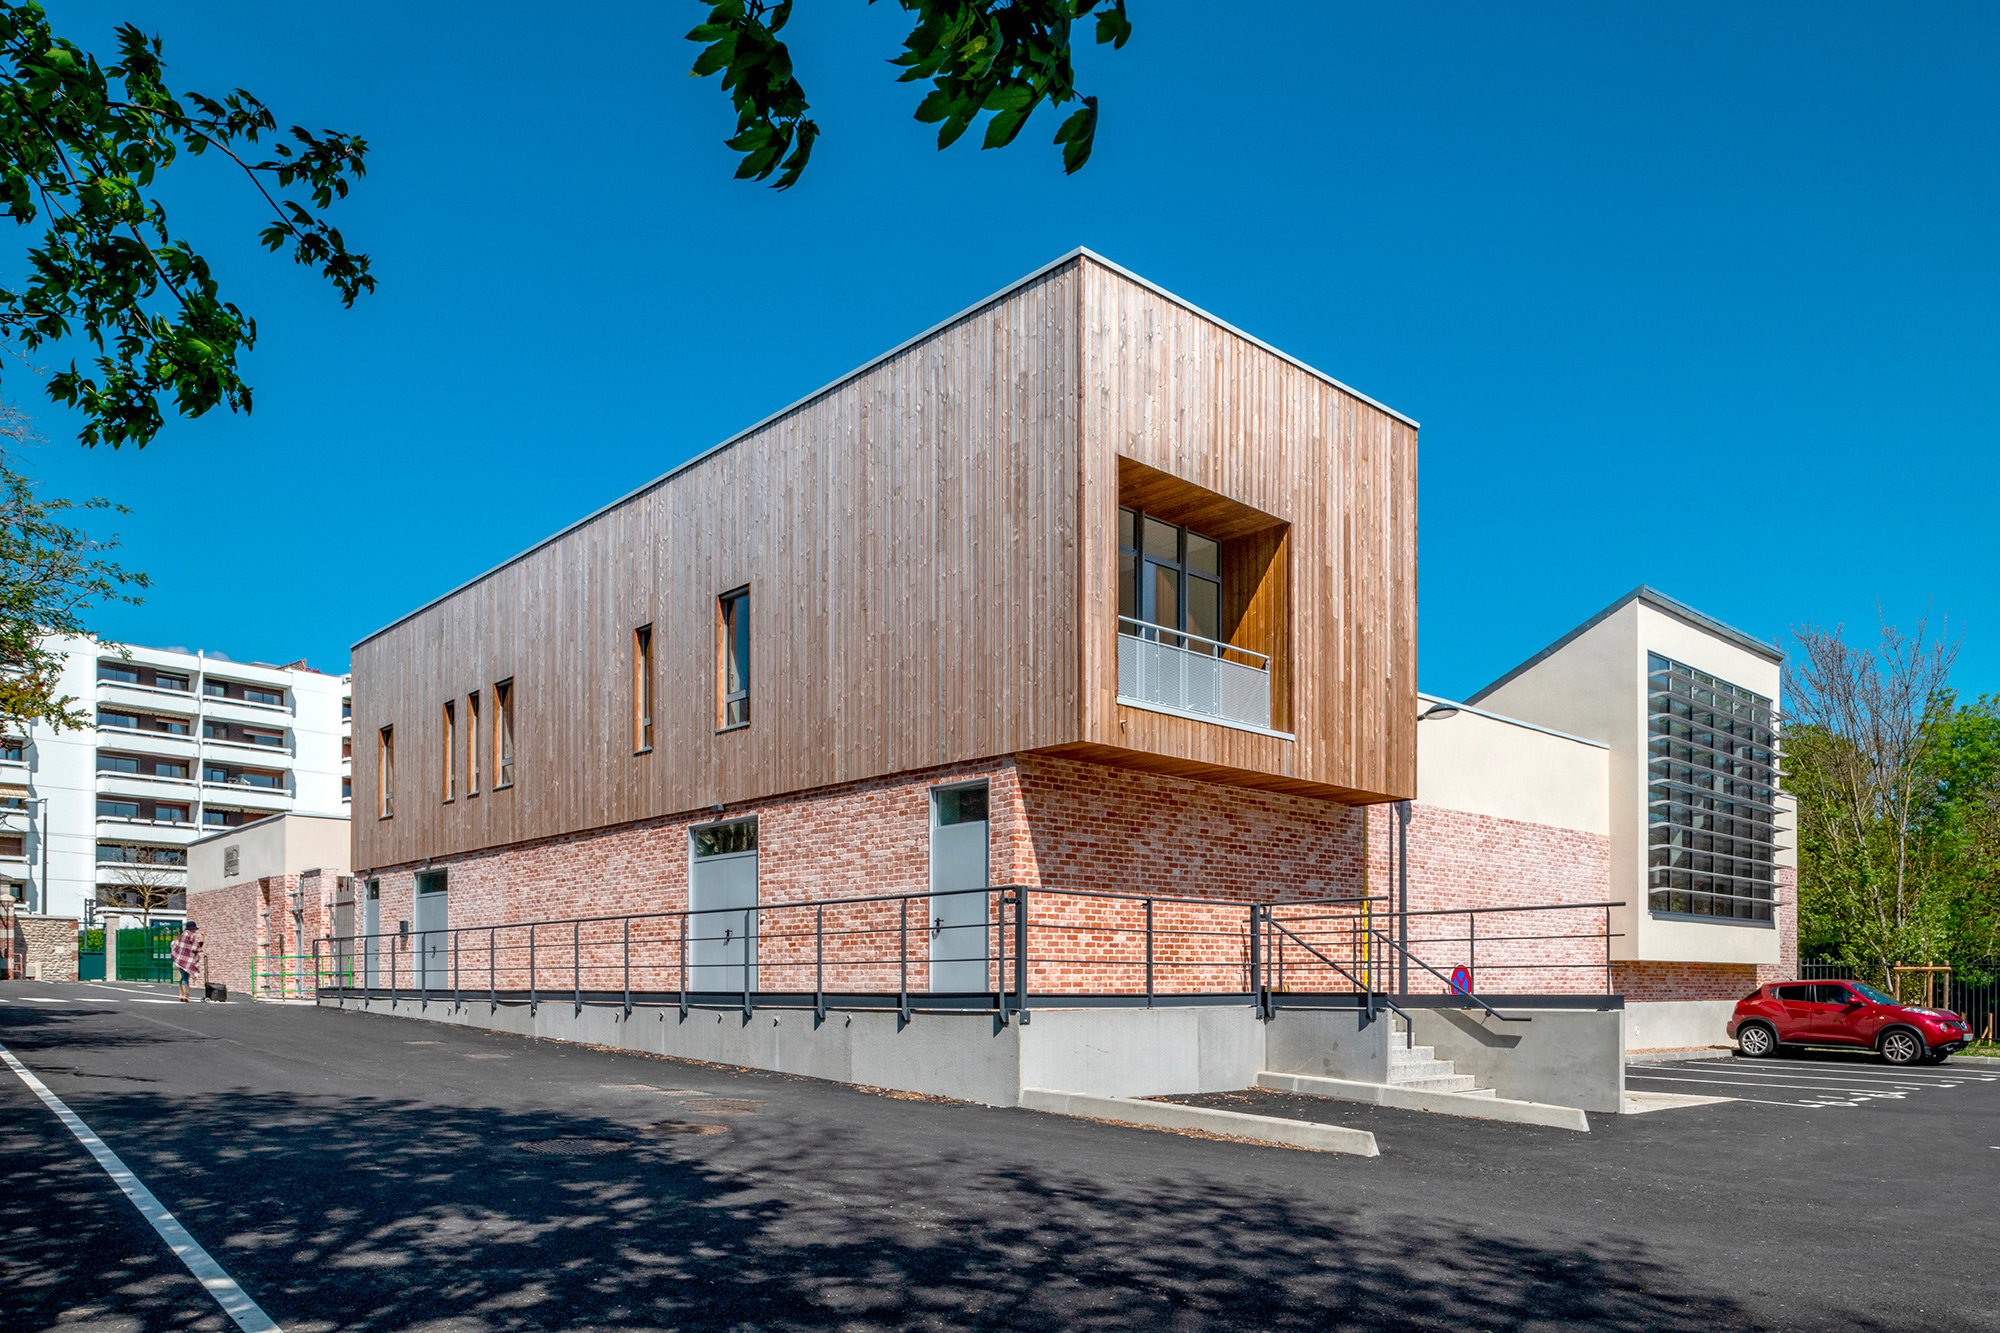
(448, 751)
(642, 689)
(472, 743)
(733, 624)
(385, 772)
(1183, 570)
(503, 733)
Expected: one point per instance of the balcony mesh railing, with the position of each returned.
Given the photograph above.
(1186, 673)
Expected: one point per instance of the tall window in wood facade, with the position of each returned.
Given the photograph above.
(472, 744)
(642, 689)
(503, 733)
(448, 750)
(1169, 578)
(733, 645)
(385, 772)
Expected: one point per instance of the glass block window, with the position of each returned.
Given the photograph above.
(1712, 795)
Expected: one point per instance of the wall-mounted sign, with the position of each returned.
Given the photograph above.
(231, 861)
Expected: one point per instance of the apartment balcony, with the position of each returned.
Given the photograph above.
(145, 787)
(1172, 671)
(130, 740)
(279, 752)
(177, 833)
(108, 871)
(146, 698)
(242, 710)
(248, 796)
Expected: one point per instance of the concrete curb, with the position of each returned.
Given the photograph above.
(1984, 1061)
(1442, 1103)
(1235, 1124)
(1678, 1057)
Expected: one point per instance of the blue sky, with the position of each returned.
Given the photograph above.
(1701, 296)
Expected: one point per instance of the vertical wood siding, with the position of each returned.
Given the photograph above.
(908, 541)
(1170, 388)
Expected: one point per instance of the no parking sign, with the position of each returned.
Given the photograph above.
(1461, 981)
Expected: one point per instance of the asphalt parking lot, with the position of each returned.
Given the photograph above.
(375, 1173)
(1820, 1079)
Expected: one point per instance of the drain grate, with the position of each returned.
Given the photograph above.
(685, 1127)
(575, 1147)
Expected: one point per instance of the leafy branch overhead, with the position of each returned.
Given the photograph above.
(80, 144)
(1003, 57)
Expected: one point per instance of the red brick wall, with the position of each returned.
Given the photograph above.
(1053, 822)
(252, 919)
(228, 917)
(1460, 860)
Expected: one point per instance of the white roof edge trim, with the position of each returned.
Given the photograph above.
(1080, 252)
(1510, 721)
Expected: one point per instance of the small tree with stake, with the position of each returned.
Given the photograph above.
(148, 884)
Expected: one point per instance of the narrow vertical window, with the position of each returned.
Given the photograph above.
(385, 772)
(503, 733)
(734, 642)
(642, 689)
(448, 750)
(472, 744)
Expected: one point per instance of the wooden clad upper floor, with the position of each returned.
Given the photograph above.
(931, 553)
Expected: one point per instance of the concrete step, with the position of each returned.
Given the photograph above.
(1400, 1054)
(1403, 1071)
(1435, 1083)
(1480, 1104)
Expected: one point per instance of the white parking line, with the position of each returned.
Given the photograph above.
(1769, 1087)
(1756, 1076)
(236, 1302)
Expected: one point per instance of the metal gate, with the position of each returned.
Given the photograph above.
(90, 954)
(146, 953)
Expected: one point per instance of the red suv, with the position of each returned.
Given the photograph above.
(1844, 1013)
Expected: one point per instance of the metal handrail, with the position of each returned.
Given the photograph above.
(1264, 658)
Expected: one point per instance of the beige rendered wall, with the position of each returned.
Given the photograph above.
(1592, 687)
(1595, 687)
(1484, 764)
(283, 845)
(1668, 940)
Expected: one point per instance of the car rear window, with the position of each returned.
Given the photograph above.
(1794, 993)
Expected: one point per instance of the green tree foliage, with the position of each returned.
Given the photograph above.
(1898, 792)
(50, 574)
(1006, 58)
(81, 144)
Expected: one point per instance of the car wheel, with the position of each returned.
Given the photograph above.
(1756, 1041)
(1904, 1047)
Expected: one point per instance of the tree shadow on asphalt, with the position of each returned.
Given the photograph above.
(347, 1212)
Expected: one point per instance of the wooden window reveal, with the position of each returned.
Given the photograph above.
(472, 744)
(448, 750)
(385, 772)
(642, 689)
(503, 733)
(732, 642)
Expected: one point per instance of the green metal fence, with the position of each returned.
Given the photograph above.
(145, 953)
(297, 976)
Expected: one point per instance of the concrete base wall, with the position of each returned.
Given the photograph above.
(1142, 1052)
(1329, 1045)
(1568, 1057)
(1655, 1025)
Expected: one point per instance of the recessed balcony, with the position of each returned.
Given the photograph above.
(1173, 671)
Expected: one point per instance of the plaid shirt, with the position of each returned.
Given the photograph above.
(186, 953)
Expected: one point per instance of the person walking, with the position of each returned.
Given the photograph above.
(187, 954)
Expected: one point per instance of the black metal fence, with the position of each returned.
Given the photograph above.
(1067, 948)
(1970, 988)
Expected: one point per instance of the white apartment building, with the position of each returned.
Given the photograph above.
(180, 745)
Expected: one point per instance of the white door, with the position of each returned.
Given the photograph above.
(958, 926)
(430, 921)
(371, 926)
(722, 903)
